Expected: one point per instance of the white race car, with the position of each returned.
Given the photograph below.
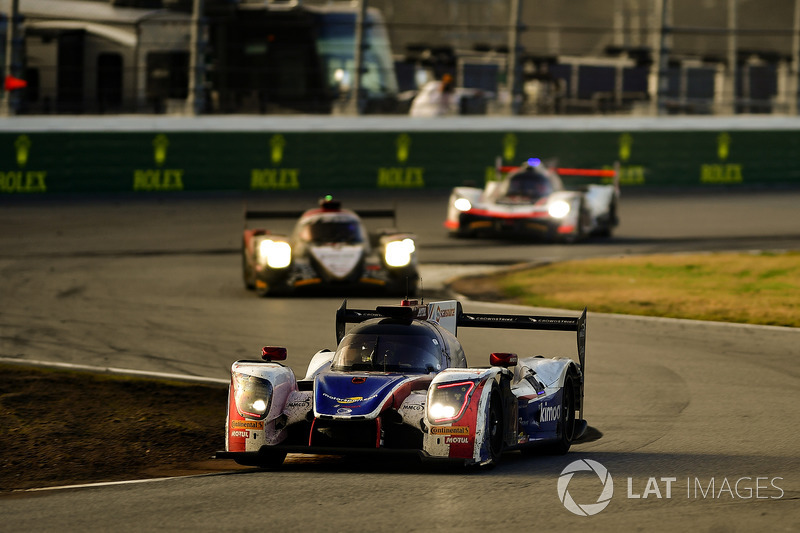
(399, 383)
(531, 200)
(329, 249)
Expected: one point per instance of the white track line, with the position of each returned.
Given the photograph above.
(112, 370)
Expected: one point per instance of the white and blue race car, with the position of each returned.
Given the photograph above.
(398, 382)
(532, 200)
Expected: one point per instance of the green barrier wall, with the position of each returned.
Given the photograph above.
(33, 162)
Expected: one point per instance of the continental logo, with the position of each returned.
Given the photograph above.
(247, 424)
(450, 430)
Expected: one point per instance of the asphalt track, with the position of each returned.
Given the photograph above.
(698, 419)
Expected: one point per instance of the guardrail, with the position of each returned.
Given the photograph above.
(40, 155)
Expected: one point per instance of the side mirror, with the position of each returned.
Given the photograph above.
(503, 359)
(273, 353)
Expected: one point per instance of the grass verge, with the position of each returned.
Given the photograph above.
(752, 288)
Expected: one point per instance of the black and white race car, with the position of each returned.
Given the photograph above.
(532, 200)
(329, 248)
(399, 382)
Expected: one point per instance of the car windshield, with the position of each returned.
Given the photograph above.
(528, 185)
(417, 354)
(326, 231)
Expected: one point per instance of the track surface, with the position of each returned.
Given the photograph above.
(153, 283)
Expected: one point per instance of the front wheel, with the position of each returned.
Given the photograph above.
(248, 275)
(494, 429)
(269, 460)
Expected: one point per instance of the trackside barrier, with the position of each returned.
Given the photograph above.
(57, 155)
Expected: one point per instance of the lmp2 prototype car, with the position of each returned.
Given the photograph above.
(329, 248)
(531, 200)
(399, 382)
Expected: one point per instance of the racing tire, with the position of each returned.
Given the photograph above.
(270, 460)
(581, 228)
(567, 423)
(494, 429)
(608, 227)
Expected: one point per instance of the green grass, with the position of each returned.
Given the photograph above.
(754, 288)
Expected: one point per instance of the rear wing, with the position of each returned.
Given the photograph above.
(538, 322)
(612, 173)
(329, 205)
(346, 316)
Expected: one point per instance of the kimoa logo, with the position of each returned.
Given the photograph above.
(550, 414)
(603, 500)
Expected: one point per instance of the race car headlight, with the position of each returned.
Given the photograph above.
(558, 209)
(277, 254)
(462, 204)
(253, 395)
(398, 253)
(447, 402)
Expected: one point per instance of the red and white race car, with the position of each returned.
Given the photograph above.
(531, 200)
(399, 382)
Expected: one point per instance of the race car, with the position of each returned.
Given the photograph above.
(531, 200)
(398, 382)
(329, 248)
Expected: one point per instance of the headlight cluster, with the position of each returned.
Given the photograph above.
(398, 253)
(462, 204)
(558, 209)
(252, 395)
(277, 254)
(447, 402)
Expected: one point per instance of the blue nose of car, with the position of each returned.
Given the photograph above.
(354, 394)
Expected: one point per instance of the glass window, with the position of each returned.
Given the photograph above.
(388, 353)
(322, 231)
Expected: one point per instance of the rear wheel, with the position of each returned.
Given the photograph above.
(581, 226)
(567, 422)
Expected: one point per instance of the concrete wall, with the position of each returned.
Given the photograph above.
(118, 154)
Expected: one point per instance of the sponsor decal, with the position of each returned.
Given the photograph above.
(722, 172)
(23, 181)
(456, 440)
(299, 403)
(412, 407)
(274, 178)
(240, 433)
(343, 411)
(401, 177)
(550, 413)
(353, 399)
(158, 179)
(449, 430)
(247, 424)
